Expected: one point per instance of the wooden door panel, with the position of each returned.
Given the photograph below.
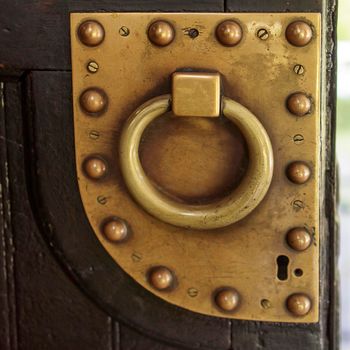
(59, 288)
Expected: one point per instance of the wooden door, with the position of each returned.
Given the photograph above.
(56, 280)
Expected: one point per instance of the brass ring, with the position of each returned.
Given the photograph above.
(234, 207)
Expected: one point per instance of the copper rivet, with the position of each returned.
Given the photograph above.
(299, 238)
(161, 278)
(227, 299)
(95, 168)
(299, 304)
(299, 104)
(298, 172)
(299, 33)
(161, 33)
(91, 33)
(93, 101)
(115, 230)
(229, 33)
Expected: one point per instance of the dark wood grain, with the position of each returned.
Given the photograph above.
(45, 310)
(36, 33)
(8, 330)
(274, 6)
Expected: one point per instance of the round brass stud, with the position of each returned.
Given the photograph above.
(299, 239)
(299, 104)
(227, 299)
(229, 33)
(161, 278)
(298, 172)
(161, 33)
(115, 230)
(95, 167)
(91, 33)
(299, 304)
(299, 33)
(93, 101)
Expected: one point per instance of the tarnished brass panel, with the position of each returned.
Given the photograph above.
(249, 270)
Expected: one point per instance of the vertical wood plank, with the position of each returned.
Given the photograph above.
(52, 313)
(8, 331)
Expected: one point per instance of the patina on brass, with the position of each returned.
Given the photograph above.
(161, 33)
(299, 304)
(298, 172)
(299, 104)
(161, 278)
(190, 160)
(227, 299)
(196, 94)
(95, 167)
(115, 230)
(299, 238)
(91, 33)
(94, 101)
(299, 33)
(229, 33)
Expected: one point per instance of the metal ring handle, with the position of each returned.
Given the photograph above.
(234, 207)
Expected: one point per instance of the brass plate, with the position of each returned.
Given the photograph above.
(260, 75)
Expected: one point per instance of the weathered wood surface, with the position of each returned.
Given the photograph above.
(41, 305)
(274, 6)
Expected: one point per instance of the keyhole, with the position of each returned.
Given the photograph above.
(282, 267)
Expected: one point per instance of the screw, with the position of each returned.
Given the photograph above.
(192, 292)
(102, 200)
(136, 257)
(298, 139)
(265, 303)
(92, 67)
(298, 205)
(299, 69)
(94, 135)
(263, 34)
(124, 31)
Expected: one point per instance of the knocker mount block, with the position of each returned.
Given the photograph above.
(216, 215)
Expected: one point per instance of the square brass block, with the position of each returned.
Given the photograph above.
(260, 73)
(196, 94)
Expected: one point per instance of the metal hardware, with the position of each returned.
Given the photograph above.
(115, 230)
(227, 299)
(298, 172)
(91, 33)
(92, 67)
(299, 69)
(93, 101)
(299, 238)
(299, 33)
(229, 33)
(124, 31)
(263, 34)
(299, 304)
(161, 278)
(196, 94)
(95, 167)
(299, 104)
(161, 33)
(224, 212)
(190, 160)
